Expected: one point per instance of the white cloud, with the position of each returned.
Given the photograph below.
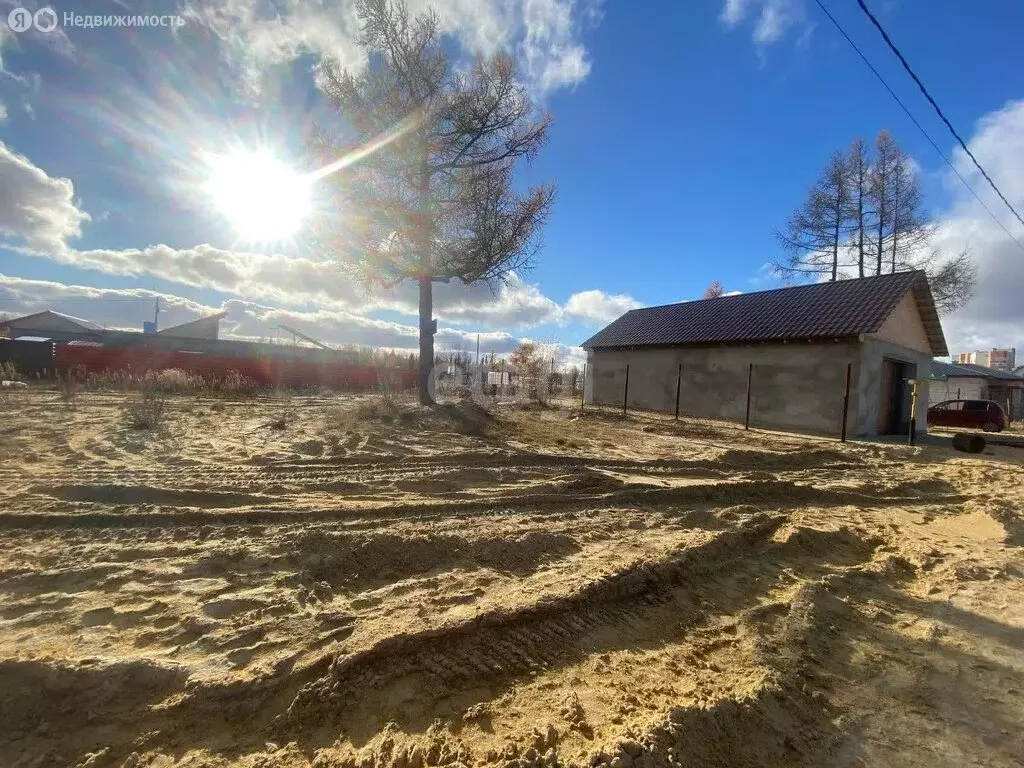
(545, 33)
(3, 112)
(774, 18)
(765, 277)
(514, 304)
(553, 57)
(129, 308)
(35, 208)
(995, 317)
(734, 11)
(597, 307)
(39, 216)
(111, 308)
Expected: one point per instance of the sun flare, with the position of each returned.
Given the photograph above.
(262, 198)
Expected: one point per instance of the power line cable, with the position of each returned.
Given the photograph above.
(938, 111)
(916, 123)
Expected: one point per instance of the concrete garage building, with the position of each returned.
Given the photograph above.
(795, 346)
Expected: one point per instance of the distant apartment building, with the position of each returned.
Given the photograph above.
(1000, 359)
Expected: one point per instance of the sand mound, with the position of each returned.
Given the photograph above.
(465, 416)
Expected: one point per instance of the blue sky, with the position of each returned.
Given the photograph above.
(684, 134)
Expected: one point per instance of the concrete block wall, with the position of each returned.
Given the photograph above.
(957, 388)
(796, 386)
(873, 352)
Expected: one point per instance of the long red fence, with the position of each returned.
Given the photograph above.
(271, 371)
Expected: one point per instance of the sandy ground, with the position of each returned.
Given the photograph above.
(301, 582)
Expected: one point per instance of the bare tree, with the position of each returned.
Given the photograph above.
(428, 195)
(952, 282)
(859, 176)
(817, 230)
(880, 189)
(911, 229)
(904, 230)
(713, 291)
(877, 225)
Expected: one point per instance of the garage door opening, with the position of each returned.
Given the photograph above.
(894, 409)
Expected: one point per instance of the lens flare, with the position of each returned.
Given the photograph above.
(262, 198)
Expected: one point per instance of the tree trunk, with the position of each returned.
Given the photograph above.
(880, 246)
(835, 240)
(860, 226)
(426, 338)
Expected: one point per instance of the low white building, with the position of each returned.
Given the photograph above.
(961, 381)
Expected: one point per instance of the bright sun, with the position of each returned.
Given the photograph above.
(263, 198)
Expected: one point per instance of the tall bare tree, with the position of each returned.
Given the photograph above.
(903, 234)
(429, 193)
(859, 177)
(910, 230)
(880, 193)
(817, 231)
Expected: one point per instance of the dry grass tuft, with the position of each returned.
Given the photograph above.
(174, 381)
(148, 412)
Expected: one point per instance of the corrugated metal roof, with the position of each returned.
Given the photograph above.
(84, 323)
(39, 320)
(840, 309)
(972, 371)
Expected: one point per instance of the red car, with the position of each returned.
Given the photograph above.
(972, 414)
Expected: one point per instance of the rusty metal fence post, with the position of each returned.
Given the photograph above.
(750, 377)
(625, 391)
(846, 401)
(679, 378)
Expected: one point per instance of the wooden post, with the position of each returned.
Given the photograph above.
(625, 391)
(583, 388)
(679, 377)
(750, 378)
(846, 400)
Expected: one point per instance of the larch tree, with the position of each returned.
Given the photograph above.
(904, 231)
(952, 281)
(910, 229)
(428, 194)
(816, 233)
(866, 212)
(859, 175)
(880, 191)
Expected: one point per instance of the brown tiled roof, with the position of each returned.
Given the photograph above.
(840, 309)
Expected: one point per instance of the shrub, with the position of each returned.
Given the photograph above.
(148, 412)
(8, 372)
(67, 386)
